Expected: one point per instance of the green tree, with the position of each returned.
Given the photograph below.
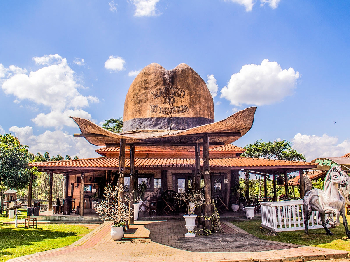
(114, 125)
(281, 150)
(14, 159)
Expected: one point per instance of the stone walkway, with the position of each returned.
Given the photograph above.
(141, 246)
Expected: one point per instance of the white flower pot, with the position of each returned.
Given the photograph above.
(234, 207)
(190, 225)
(136, 211)
(117, 233)
(249, 212)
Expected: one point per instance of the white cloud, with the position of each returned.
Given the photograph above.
(58, 118)
(2, 131)
(272, 3)
(248, 4)
(320, 146)
(112, 6)
(115, 63)
(260, 84)
(56, 142)
(54, 86)
(212, 86)
(79, 61)
(145, 7)
(134, 73)
(48, 59)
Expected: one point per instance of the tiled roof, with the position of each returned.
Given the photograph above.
(228, 148)
(312, 174)
(225, 148)
(105, 163)
(346, 155)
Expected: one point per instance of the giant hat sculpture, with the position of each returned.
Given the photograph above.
(169, 107)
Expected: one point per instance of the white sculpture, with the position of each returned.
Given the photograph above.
(329, 200)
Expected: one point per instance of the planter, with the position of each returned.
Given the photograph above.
(117, 233)
(234, 207)
(249, 212)
(190, 225)
(136, 211)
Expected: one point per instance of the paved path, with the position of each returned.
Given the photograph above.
(98, 246)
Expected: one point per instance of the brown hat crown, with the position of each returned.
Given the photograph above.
(174, 99)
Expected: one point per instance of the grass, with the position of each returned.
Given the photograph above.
(316, 237)
(16, 242)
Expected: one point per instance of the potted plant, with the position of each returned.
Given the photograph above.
(192, 199)
(114, 208)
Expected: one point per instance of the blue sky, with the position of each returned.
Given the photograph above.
(289, 58)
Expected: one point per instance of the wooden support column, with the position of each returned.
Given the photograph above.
(207, 181)
(265, 187)
(247, 188)
(286, 184)
(302, 184)
(131, 187)
(50, 189)
(122, 167)
(197, 172)
(228, 188)
(30, 191)
(66, 184)
(274, 187)
(82, 185)
(235, 186)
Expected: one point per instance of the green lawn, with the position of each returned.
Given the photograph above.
(316, 237)
(16, 242)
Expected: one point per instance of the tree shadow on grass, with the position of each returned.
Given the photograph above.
(14, 238)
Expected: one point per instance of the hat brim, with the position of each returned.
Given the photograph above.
(222, 132)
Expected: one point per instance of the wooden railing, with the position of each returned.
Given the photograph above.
(287, 216)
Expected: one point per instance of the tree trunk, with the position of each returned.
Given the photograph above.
(50, 190)
(30, 190)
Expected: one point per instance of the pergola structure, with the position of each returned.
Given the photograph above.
(169, 130)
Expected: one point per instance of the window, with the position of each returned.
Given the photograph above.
(157, 183)
(147, 181)
(87, 188)
(127, 182)
(181, 185)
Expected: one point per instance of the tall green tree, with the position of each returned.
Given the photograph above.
(14, 159)
(114, 125)
(277, 150)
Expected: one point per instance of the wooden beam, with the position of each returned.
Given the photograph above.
(131, 187)
(247, 187)
(274, 187)
(197, 169)
(82, 185)
(121, 168)
(286, 184)
(207, 182)
(302, 184)
(265, 187)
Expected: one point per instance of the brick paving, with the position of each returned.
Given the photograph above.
(98, 246)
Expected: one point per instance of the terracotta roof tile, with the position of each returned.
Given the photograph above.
(104, 162)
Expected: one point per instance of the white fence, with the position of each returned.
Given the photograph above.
(287, 216)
